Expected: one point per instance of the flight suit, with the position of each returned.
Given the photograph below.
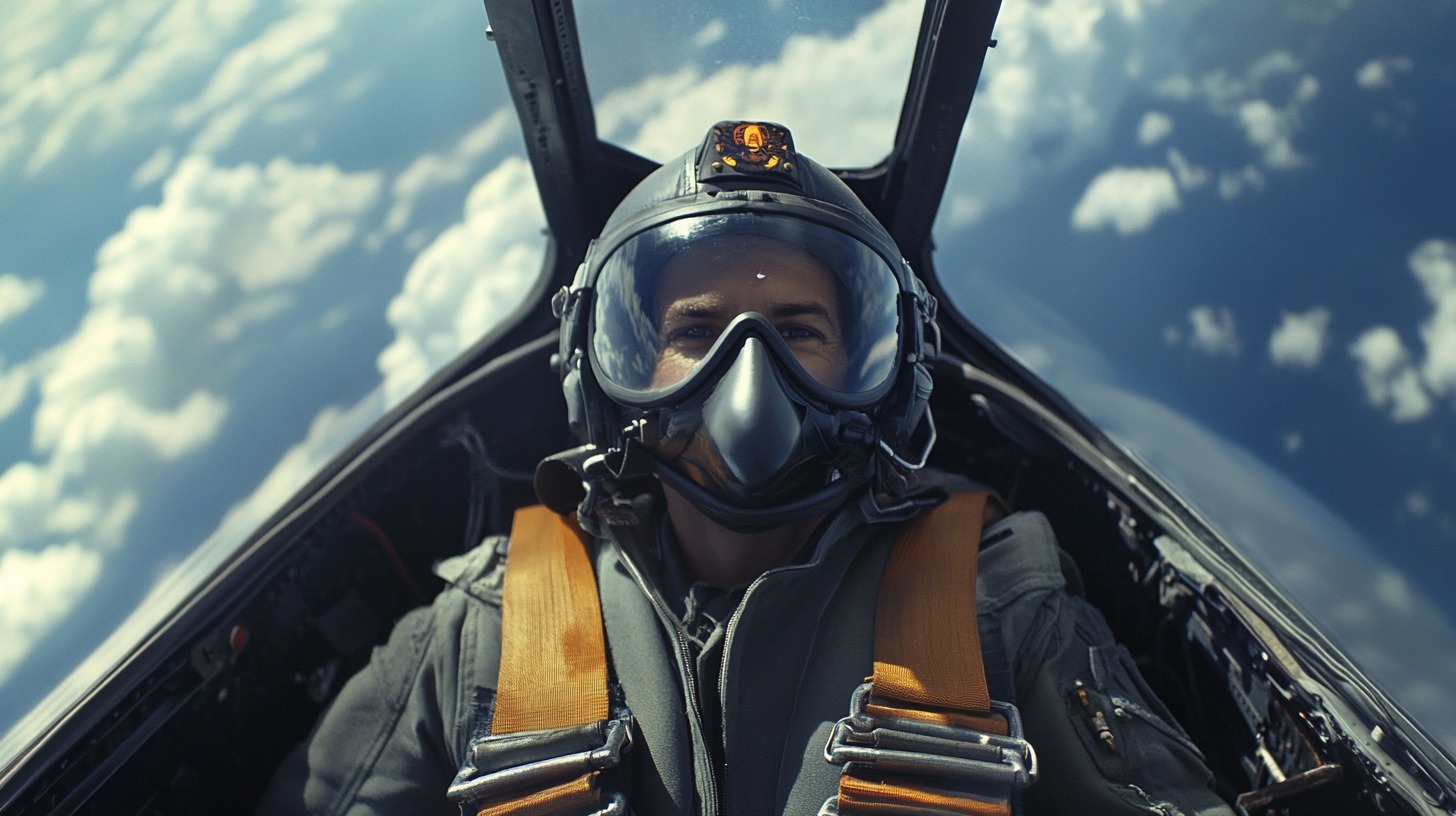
(734, 694)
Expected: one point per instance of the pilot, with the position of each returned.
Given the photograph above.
(745, 593)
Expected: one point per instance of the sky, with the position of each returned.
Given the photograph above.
(232, 234)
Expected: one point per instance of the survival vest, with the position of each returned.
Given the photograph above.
(922, 736)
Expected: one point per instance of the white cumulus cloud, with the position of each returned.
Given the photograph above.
(136, 384)
(1299, 340)
(256, 78)
(1380, 73)
(710, 33)
(1270, 129)
(14, 385)
(467, 280)
(137, 56)
(664, 115)
(37, 589)
(1190, 176)
(432, 171)
(1393, 377)
(1268, 121)
(17, 295)
(1128, 199)
(1390, 380)
(155, 168)
(1154, 127)
(1434, 265)
(144, 67)
(1213, 331)
(1233, 183)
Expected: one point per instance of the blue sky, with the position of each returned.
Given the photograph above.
(233, 233)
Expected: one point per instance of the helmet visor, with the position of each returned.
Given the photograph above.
(670, 299)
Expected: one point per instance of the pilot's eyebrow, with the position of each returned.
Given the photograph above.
(699, 310)
(693, 310)
(806, 308)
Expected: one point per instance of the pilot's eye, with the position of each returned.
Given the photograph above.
(692, 334)
(799, 332)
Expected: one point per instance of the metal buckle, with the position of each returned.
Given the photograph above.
(505, 763)
(900, 745)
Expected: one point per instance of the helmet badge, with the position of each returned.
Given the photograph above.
(751, 148)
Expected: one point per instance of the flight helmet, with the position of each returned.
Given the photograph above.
(745, 322)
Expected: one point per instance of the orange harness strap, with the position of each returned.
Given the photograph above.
(925, 719)
(553, 663)
(553, 666)
(927, 646)
(928, 694)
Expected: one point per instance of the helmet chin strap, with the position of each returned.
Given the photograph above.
(754, 519)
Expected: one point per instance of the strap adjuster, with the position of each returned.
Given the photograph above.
(506, 764)
(864, 742)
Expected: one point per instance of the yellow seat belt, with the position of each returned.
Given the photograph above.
(552, 688)
(927, 695)
(926, 717)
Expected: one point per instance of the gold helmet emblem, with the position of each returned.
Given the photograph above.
(753, 147)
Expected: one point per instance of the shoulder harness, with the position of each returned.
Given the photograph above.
(922, 736)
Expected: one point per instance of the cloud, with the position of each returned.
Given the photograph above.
(1380, 73)
(143, 67)
(1189, 175)
(1434, 265)
(136, 58)
(664, 115)
(220, 239)
(1269, 129)
(37, 590)
(467, 280)
(137, 384)
(1389, 377)
(1392, 377)
(17, 295)
(14, 385)
(1213, 331)
(155, 168)
(1299, 341)
(710, 33)
(432, 171)
(1233, 183)
(258, 75)
(1269, 125)
(1129, 199)
(1154, 128)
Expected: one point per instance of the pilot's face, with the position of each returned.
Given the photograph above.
(704, 288)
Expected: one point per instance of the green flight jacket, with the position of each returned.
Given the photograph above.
(798, 644)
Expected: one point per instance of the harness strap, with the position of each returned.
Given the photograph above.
(924, 735)
(927, 646)
(553, 666)
(552, 688)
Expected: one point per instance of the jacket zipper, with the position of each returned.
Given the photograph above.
(703, 756)
(723, 663)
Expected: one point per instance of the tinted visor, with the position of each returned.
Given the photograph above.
(673, 299)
